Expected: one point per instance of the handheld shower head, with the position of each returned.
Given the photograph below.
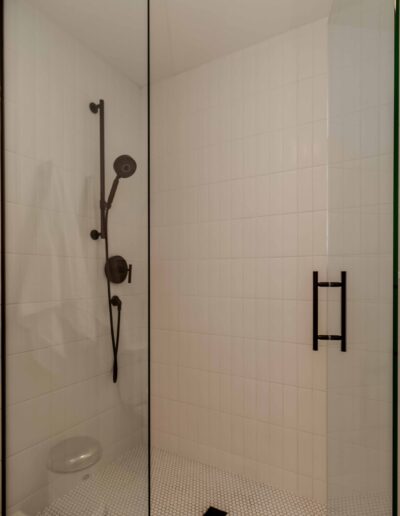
(124, 167)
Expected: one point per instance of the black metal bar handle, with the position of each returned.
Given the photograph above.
(344, 311)
(329, 284)
(329, 337)
(315, 310)
(343, 336)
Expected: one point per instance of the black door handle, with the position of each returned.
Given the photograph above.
(343, 310)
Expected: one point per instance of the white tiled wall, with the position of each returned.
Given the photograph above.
(58, 342)
(239, 156)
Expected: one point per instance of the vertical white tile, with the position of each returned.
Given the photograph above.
(305, 146)
(305, 189)
(305, 410)
(290, 406)
(305, 100)
(304, 52)
(305, 454)
(320, 97)
(290, 450)
(320, 47)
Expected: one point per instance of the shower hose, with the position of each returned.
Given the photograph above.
(112, 301)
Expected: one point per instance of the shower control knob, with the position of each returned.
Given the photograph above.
(117, 270)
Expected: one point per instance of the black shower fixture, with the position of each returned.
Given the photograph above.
(116, 268)
(124, 167)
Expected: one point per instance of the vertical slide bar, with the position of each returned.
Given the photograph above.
(102, 172)
(315, 310)
(344, 312)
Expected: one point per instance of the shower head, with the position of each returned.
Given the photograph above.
(124, 166)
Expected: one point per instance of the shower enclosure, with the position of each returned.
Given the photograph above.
(199, 217)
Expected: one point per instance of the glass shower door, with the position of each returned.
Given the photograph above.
(76, 347)
(360, 380)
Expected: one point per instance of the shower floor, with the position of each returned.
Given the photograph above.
(180, 487)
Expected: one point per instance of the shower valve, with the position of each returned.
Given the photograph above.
(117, 270)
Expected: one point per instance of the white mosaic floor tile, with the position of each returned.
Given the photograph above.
(182, 487)
(185, 487)
(373, 505)
(119, 489)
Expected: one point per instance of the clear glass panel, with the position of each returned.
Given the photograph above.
(239, 223)
(361, 35)
(75, 437)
